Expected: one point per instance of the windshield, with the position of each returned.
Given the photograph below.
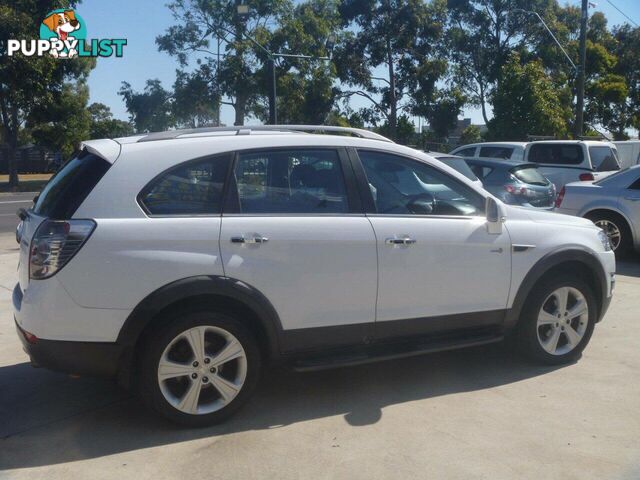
(68, 188)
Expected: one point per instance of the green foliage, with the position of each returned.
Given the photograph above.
(443, 114)
(30, 85)
(471, 134)
(103, 125)
(405, 131)
(151, 109)
(398, 37)
(527, 103)
(64, 123)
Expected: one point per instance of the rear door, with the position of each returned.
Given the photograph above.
(59, 200)
(293, 229)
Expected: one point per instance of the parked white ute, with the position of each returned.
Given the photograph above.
(183, 262)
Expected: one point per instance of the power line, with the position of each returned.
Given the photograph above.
(622, 13)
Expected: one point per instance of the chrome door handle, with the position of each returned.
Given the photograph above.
(251, 240)
(400, 241)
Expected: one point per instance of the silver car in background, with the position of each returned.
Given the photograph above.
(612, 203)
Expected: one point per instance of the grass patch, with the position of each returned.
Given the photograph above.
(32, 182)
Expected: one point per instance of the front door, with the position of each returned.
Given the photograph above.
(439, 268)
(296, 237)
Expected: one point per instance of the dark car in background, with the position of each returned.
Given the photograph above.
(514, 182)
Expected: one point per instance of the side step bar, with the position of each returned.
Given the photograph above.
(393, 351)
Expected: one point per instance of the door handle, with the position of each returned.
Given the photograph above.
(400, 241)
(251, 240)
(633, 199)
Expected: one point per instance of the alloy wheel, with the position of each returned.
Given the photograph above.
(612, 231)
(202, 370)
(562, 321)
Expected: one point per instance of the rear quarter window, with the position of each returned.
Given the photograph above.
(556, 154)
(70, 186)
(191, 188)
(603, 159)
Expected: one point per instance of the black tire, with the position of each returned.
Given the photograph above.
(626, 239)
(527, 331)
(154, 346)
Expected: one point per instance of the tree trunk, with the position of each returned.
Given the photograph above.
(483, 105)
(11, 161)
(239, 107)
(393, 101)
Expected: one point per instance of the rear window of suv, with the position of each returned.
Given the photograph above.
(556, 154)
(69, 187)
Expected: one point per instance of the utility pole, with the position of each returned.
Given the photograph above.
(581, 71)
(273, 116)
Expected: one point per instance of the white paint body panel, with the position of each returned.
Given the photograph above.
(316, 271)
(450, 269)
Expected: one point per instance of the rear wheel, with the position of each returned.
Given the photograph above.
(558, 320)
(199, 369)
(616, 228)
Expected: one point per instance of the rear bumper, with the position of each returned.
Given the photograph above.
(81, 358)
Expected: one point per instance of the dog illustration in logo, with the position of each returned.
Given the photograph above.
(62, 24)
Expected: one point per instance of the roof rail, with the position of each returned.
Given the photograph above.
(246, 130)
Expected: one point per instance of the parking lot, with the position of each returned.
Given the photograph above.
(477, 413)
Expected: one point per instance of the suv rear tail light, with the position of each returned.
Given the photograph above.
(560, 197)
(585, 177)
(55, 243)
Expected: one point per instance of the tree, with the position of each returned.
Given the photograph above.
(405, 131)
(443, 114)
(400, 38)
(103, 125)
(481, 36)
(527, 102)
(306, 90)
(33, 83)
(201, 24)
(62, 125)
(150, 110)
(627, 51)
(195, 103)
(471, 134)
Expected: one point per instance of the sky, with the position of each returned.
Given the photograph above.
(143, 20)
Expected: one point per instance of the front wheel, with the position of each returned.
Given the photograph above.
(199, 369)
(558, 320)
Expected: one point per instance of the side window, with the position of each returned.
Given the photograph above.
(480, 171)
(466, 152)
(603, 159)
(635, 185)
(403, 186)
(291, 181)
(496, 152)
(192, 188)
(554, 153)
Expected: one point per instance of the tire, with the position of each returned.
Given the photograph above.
(540, 325)
(222, 385)
(611, 223)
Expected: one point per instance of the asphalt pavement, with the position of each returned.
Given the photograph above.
(9, 203)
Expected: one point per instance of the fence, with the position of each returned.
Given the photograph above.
(31, 159)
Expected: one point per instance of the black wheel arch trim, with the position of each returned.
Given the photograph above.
(180, 290)
(545, 264)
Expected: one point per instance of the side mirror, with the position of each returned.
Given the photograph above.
(494, 216)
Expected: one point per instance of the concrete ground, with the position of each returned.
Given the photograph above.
(478, 413)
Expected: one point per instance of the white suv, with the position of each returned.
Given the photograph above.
(184, 261)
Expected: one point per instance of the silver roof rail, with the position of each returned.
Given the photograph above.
(247, 129)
